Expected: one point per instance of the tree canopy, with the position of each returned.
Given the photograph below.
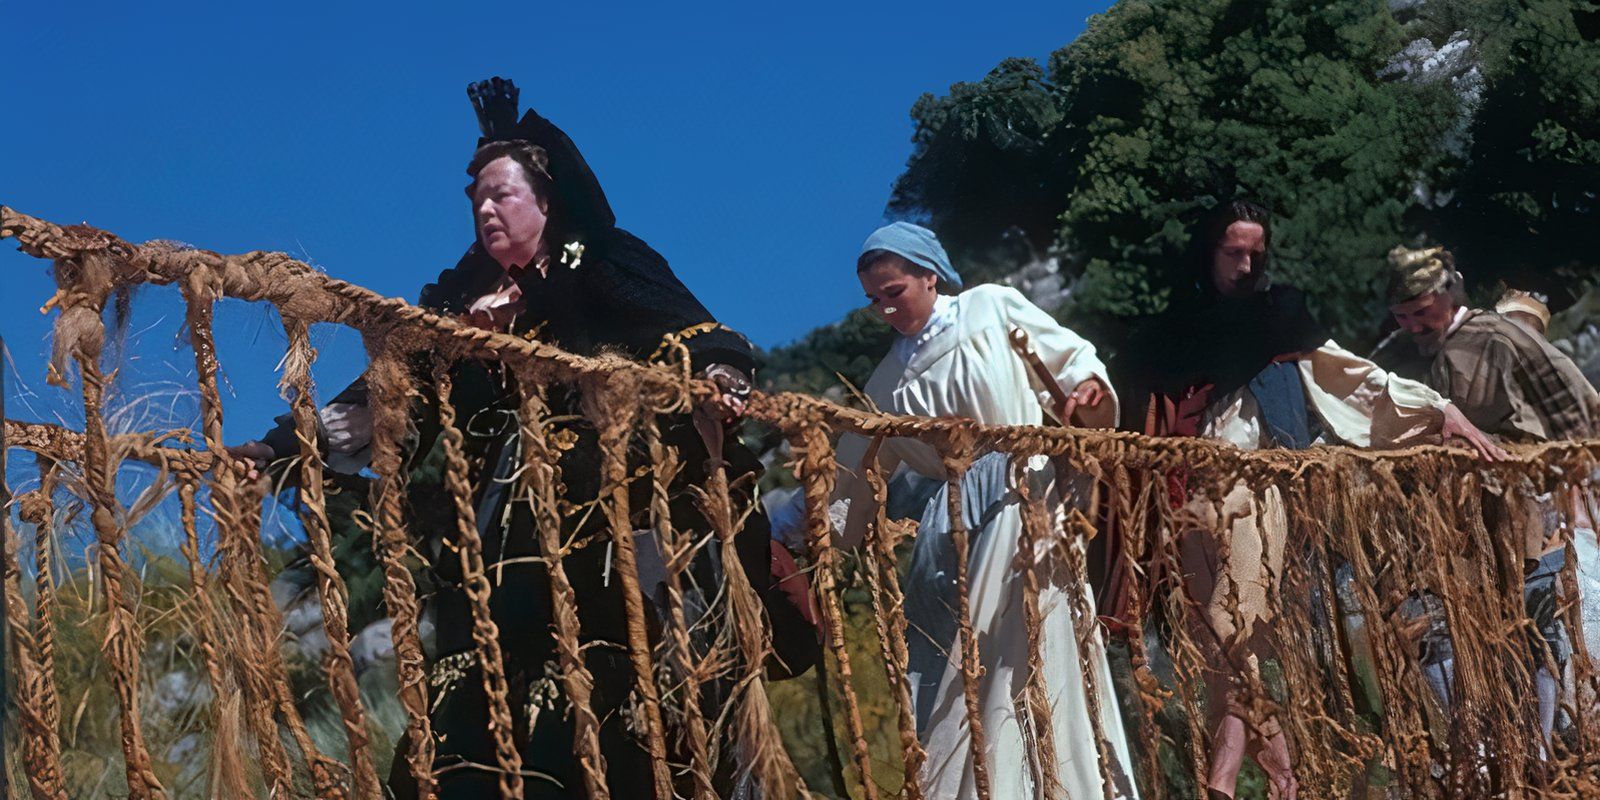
(1362, 124)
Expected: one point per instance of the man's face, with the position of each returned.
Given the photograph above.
(1426, 317)
(1238, 259)
(510, 217)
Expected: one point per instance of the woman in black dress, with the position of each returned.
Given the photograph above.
(550, 263)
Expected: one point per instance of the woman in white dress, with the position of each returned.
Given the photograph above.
(954, 359)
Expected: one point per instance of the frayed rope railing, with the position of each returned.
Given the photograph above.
(1403, 521)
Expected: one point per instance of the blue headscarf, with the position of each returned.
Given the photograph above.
(915, 244)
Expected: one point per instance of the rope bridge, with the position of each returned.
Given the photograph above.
(1401, 522)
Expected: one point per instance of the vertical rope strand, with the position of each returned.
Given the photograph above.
(755, 729)
(469, 550)
(888, 605)
(41, 742)
(540, 478)
(388, 396)
(678, 552)
(613, 409)
(331, 593)
(815, 467)
(1131, 513)
(1035, 695)
(81, 324)
(238, 508)
(227, 759)
(957, 458)
(44, 543)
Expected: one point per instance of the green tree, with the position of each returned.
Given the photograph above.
(1173, 106)
(982, 161)
(1524, 206)
(849, 348)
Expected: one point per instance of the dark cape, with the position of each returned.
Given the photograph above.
(1206, 346)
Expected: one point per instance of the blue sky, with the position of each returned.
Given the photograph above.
(755, 149)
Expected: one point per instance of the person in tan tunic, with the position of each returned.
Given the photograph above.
(1514, 384)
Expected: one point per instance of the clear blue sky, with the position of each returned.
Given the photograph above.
(755, 149)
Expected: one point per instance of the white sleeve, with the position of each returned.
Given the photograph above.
(349, 431)
(1364, 405)
(1068, 356)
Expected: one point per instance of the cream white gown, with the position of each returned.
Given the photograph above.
(962, 365)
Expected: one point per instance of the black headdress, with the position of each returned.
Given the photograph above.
(627, 294)
(582, 200)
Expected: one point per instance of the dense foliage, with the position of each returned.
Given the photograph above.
(1363, 124)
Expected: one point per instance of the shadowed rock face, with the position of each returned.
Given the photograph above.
(1584, 347)
(1576, 332)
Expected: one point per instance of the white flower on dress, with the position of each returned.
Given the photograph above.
(572, 254)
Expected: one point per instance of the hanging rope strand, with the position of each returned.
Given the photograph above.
(815, 468)
(540, 478)
(331, 592)
(87, 282)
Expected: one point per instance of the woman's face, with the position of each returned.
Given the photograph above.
(1238, 259)
(900, 293)
(510, 217)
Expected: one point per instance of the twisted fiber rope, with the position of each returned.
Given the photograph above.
(888, 606)
(245, 644)
(1036, 696)
(1475, 697)
(538, 487)
(1078, 529)
(55, 445)
(1486, 648)
(39, 511)
(1320, 722)
(469, 550)
(1249, 697)
(41, 744)
(1496, 645)
(331, 593)
(61, 445)
(957, 453)
(327, 779)
(678, 551)
(226, 752)
(1132, 502)
(300, 292)
(245, 647)
(611, 405)
(81, 332)
(755, 729)
(388, 388)
(1394, 546)
(238, 507)
(815, 468)
(1586, 679)
(1087, 647)
(1169, 592)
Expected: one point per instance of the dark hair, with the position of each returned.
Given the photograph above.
(535, 164)
(1209, 232)
(536, 168)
